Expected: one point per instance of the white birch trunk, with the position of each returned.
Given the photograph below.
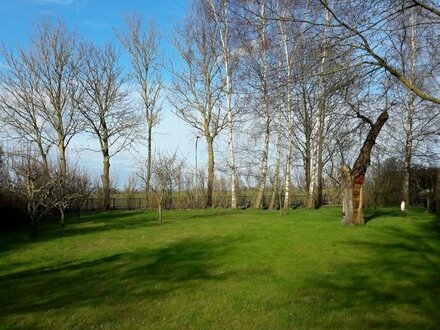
(265, 155)
(289, 110)
(276, 183)
(318, 127)
(224, 40)
(410, 117)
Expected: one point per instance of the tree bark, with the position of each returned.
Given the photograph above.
(63, 172)
(223, 29)
(265, 93)
(410, 116)
(210, 188)
(353, 179)
(347, 194)
(148, 164)
(276, 184)
(159, 212)
(264, 165)
(105, 178)
(61, 208)
(437, 194)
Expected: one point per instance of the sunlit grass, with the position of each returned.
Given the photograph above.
(222, 269)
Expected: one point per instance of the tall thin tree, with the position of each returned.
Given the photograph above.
(142, 45)
(108, 116)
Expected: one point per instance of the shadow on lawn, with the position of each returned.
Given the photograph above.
(371, 214)
(140, 276)
(50, 229)
(392, 284)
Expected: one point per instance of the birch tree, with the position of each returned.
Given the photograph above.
(222, 17)
(322, 109)
(374, 46)
(289, 47)
(259, 64)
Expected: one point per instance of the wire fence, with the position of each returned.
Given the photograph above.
(189, 202)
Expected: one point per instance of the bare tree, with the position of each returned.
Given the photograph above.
(222, 16)
(107, 114)
(20, 112)
(372, 37)
(71, 190)
(32, 181)
(166, 169)
(40, 95)
(196, 88)
(289, 49)
(53, 60)
(142, 44)
(353, 178)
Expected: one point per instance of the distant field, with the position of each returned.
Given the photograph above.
(223, 269)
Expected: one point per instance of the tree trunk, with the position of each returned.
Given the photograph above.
(321, 113)
(275, 191)
(352, 180)
(105, 178)
(287, 176)
(311, 186)
(210, 188)
(358, 217)
(351, 197)
(308, 152)
(61, 208)
(62, 158)
(159, 212)
(276, 184)
(233, 174)
(346, 194)
(148, 164)
(437, 194)
(410, 116)
(43, 156)
(407, 165)
(32, 218)
(289, 109)
(264, 165)
(264, 83)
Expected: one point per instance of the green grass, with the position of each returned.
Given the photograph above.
(222, 269)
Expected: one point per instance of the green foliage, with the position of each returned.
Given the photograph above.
(223, 269)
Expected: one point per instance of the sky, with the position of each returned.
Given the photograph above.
(96, 20)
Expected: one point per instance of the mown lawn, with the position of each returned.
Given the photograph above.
(222, 269)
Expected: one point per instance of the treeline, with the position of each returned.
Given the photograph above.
(288, 96)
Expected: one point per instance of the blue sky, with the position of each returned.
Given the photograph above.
(95, 21)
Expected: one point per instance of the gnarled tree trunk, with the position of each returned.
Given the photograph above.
(353, 179)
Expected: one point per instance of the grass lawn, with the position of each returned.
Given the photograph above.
(223, 269)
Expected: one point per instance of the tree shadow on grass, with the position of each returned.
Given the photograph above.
(371, 214)
(90, 224)
(143, 275)
(394, 283)
(412, 214)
